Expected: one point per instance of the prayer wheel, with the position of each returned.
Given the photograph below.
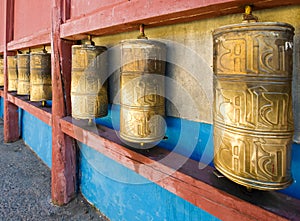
(253, 119)
(23, 65)
(1, 72)
(40, 76)
(12, 73)
(142, 91)
(89, 97)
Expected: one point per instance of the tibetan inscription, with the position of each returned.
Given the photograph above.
(89, 86)
(40, 76)
(142, 91)
(253, 120)
(23, 64)
(12, 73)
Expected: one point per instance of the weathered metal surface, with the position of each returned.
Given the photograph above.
(88, 85)
(40, 76)
(23, 66)
(142, 91)
(12, 73)
(253, 119)
(1, 72)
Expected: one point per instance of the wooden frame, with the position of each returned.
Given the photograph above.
(185, 182)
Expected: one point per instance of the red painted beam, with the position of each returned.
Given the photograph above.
(113, 19)
(35, 39)
(11, 115)
(34, 108)
(180, 176)
(63, 172)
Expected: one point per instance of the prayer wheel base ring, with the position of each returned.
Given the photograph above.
(254, 184)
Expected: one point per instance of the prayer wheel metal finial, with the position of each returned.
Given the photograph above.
(142, 90)
(253, 119)
(89, 96)
(40, 76)
(248, 16)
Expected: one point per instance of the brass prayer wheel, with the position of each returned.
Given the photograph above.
(89, 96)
(142, 91)
(40, 76)
(23, 65)
(253, 119)
(1, 72)
(12, 73)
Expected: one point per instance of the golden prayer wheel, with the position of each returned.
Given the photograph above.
(23, 65)
(1, 72)
(253, 119)
(142, 91)
(40, 76)
(88, 85)
(12, 73)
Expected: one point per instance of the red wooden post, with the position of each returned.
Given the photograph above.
(63, 151)
(11, 115)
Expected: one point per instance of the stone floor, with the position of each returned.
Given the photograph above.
(25, 188)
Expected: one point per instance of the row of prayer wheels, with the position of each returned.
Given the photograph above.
(29, 74)
(142, 92)
(253, 120)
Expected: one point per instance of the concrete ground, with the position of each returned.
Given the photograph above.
(25, 188)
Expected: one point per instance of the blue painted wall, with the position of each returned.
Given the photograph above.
(38, 136)
(294, 189)
(1, 107)
(121, 194)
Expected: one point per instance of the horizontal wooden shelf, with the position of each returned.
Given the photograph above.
(112, 20)
(36, 39)
(183, 177)
(34, 108)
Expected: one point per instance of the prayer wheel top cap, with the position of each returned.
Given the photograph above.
(250, 23)
(22, 55)
(40, 53)
(255, 26)
(89, 44)
(141, 43)
(90, 47)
